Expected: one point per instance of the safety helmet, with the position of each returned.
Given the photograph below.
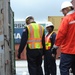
(49, 24)
(28, 18)
(66, 4)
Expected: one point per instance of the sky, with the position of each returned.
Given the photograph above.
(39, 9)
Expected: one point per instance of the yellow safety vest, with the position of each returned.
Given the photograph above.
(35, 33)
(48, 41)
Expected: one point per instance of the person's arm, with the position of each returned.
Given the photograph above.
(43, 42)
(53, 36)
(62, 32)
(23, 42)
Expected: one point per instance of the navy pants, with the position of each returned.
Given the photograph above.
(49, 63)
(67, 62)
(34, 59)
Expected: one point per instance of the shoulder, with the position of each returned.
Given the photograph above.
(66, 18)
(25, 29)
(53, 34)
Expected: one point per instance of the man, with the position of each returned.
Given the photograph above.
(33, 39)
(66, 39)
(49, 57)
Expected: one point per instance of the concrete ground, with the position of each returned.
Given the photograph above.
(21, 67)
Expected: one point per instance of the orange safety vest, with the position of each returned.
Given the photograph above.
(35, 33)
(48, 41)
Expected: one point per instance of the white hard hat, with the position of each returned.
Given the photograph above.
(66, 4)
(29, 19)
(49, 24)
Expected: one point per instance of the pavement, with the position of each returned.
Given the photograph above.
(21, 67)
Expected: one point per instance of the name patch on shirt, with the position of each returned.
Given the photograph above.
(72, 22)
(24, 30)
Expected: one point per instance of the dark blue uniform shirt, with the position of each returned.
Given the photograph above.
(24, 39)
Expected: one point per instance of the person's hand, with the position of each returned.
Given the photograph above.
(18, 56)
(53, 51)
(53, 55)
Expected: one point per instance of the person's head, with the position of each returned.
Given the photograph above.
(49, 27)
(29, 19)
(66, 7)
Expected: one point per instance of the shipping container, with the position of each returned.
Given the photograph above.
(18, 30)
(7, 55)
(56, 21)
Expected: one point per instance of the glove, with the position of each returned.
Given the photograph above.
(18, 56)
(53, 51)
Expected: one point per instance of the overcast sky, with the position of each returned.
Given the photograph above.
(39, 9)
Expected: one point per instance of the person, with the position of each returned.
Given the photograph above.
(33, 39)
(49, 57)
(66, 39)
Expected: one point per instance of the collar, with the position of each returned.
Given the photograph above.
(70, 12)
(33, 22)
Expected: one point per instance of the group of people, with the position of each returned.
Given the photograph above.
(39, 44)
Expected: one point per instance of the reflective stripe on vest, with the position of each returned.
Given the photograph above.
(35, 33)
(48, 41)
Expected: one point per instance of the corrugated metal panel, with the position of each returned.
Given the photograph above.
(56, 21)
(6, 56)
(18, 30)
(2, 67)
(12, 46)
